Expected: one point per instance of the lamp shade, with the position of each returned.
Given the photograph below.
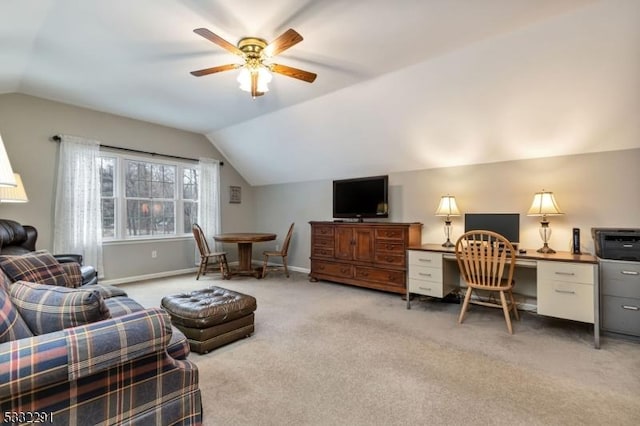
(264, 78)
(13, 194)
(6, 173)
(544, 204)
(447, 206)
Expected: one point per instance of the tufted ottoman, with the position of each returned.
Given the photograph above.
(212, 317)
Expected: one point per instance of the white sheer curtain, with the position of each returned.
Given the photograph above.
(78, 225)
(209, 199)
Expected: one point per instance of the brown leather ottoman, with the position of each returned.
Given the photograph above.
(212, 317)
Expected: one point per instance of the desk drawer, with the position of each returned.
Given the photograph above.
(564, 271)
(561, 299)
(425, 273)
(425, 258)
(426, 288)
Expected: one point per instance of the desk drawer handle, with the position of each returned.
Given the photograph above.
(565, 273)
(629, 272)
(422, 274)
(424, 260)
(425, 288)
(565, 291)
(630, 308)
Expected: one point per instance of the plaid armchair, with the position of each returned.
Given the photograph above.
(129, 368)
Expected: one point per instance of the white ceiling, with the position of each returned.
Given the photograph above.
(133, 58)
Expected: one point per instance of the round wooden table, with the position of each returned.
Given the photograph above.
(245, 242)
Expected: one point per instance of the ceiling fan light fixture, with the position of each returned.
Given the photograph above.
(264, 78)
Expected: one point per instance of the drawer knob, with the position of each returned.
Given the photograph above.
(629, 272)
(630, 308)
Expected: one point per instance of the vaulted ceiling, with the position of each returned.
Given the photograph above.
(402, 85)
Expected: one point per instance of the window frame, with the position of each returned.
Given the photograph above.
(120, 199)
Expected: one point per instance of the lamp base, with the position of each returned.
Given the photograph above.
(546, 249)
(448, 244)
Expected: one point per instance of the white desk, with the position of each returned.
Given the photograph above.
(567, 285)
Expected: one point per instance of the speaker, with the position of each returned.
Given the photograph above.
(576, 241)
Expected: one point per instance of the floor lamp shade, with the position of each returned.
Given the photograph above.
(6, 172)
(14, 194)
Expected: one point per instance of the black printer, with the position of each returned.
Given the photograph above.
(617, 244)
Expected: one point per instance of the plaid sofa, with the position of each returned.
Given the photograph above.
(127, 369)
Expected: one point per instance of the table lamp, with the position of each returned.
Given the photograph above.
(447, 208)
(544, 204)
(11, 194)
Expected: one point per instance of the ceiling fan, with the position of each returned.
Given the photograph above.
(255, 73)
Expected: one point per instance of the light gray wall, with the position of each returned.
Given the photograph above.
(27, 123)
(593, 190)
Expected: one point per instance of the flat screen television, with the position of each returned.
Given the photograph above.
(506, 224)
(365, 197)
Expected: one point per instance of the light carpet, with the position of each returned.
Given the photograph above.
(331, 354)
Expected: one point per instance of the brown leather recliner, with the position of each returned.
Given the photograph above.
(19, 239)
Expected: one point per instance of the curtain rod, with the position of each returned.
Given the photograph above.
(58, 138)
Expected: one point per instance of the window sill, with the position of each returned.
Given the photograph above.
(147, 240)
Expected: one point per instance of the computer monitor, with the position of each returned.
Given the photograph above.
(506, 224)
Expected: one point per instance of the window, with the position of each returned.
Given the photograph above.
(107, 167)
(143, 198)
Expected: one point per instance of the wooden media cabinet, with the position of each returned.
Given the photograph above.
(365, 254)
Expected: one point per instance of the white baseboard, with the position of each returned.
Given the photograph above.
(126, 280)
(165, 274)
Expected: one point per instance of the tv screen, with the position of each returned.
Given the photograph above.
(361, 198)
(506, 224)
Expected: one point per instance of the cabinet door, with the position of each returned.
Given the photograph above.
(344, 243)
(363, 248)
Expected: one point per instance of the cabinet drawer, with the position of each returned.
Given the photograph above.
(564, 271)
(326, 230)
(385, 276)
(322, 251)
(390, 246)
(427, 288)
(332, 268)
(390, 234)
(620, 279)
(425, 258)
(566, 300)
(621, 315)
(322, 241)
(425, 273)
(390, 259)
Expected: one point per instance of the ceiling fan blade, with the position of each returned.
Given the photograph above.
(213, 70)
(282, 43)
(218, 40)
(303, 75)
